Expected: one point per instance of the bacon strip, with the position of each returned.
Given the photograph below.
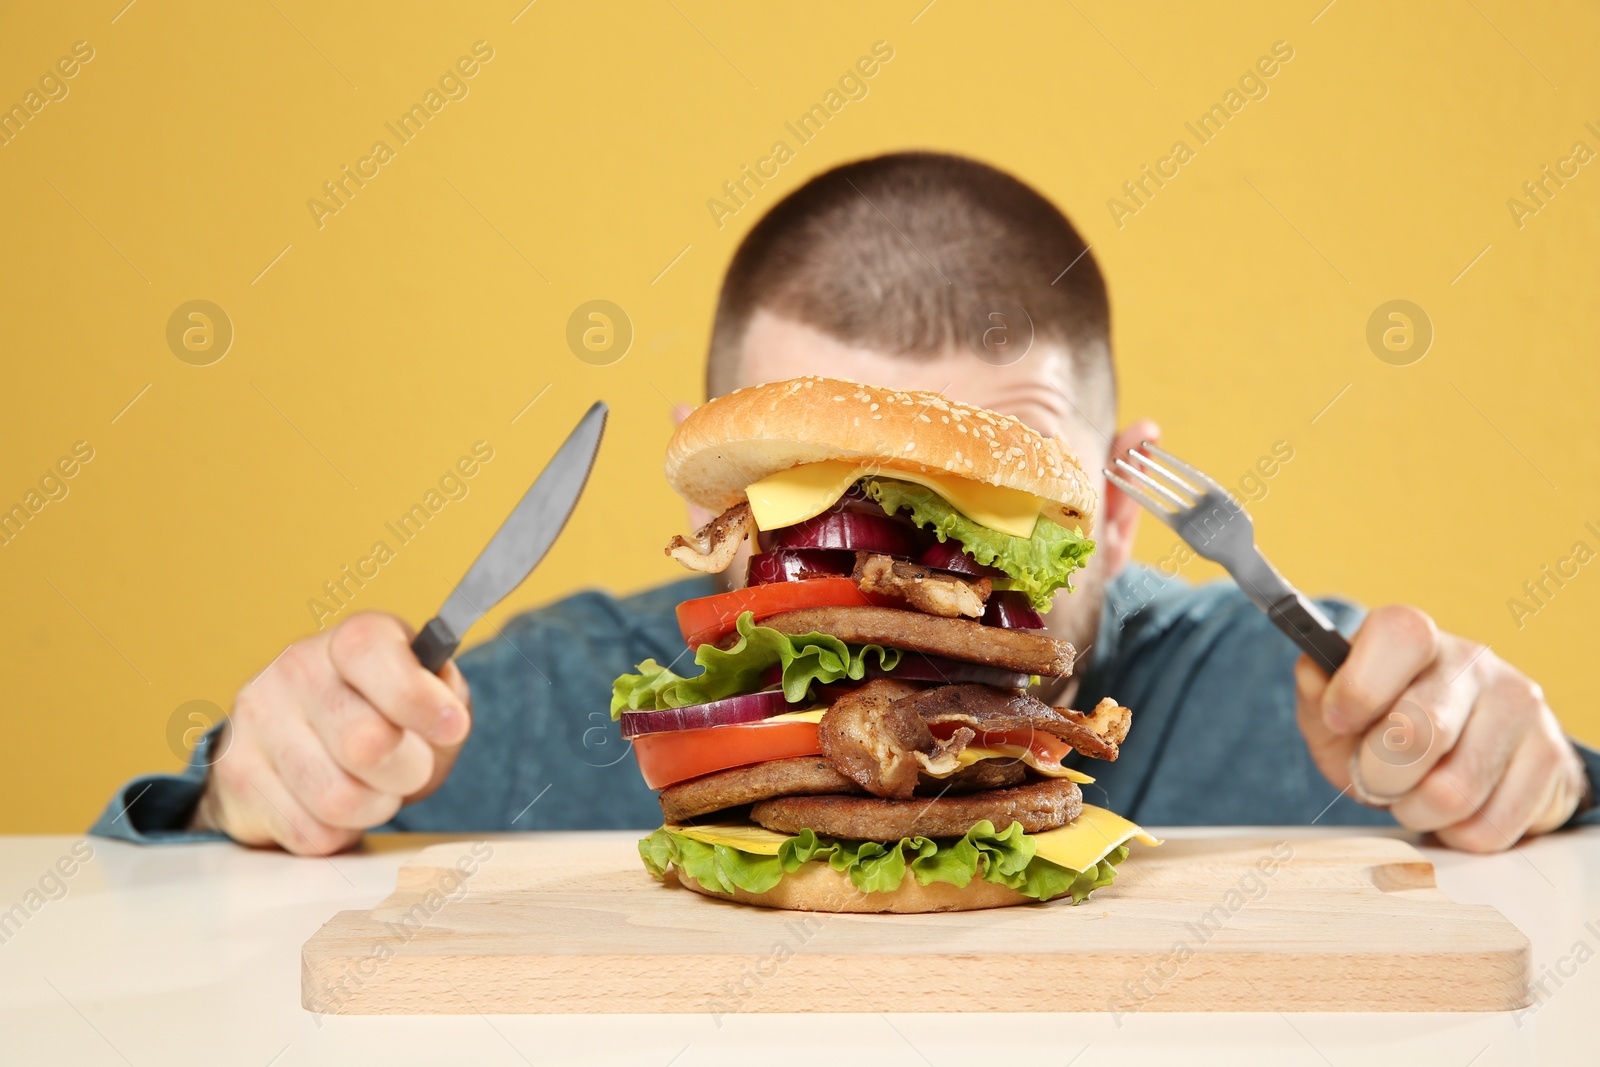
(983, 708)
(712, 547)
(924, 588)
(876, 739)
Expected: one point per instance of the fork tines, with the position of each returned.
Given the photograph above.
(1166, 490)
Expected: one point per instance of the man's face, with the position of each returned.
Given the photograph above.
(1035, 389)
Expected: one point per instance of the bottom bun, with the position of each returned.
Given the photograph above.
(818, 887)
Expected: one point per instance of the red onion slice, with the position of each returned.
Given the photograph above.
(1010, 609)
(847, 530)
(749, 707)
(949, 556)
(798, 564)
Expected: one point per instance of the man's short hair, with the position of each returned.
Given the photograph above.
(902, 253)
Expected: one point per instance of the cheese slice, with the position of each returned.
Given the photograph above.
(808, 490)
(799, 493)
(973, 753)
(1079, 845)
(999, 508)
(1088, 839)
(744, 836)
(813, 715)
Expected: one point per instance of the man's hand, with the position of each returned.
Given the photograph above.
(332, 738)
(1442, 731)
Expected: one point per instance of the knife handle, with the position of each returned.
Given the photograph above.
(1308, 627)
(434, 645)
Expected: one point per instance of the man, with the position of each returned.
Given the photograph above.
(885, 271)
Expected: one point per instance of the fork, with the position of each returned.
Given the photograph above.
(1214, 524)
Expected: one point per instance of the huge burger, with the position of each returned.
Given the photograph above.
(860, 735)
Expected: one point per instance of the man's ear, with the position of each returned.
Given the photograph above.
(1119, 512)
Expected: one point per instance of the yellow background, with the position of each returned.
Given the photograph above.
(431, 309)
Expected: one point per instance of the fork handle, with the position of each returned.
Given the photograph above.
(1314, 632)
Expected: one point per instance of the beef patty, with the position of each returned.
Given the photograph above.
(809, 776)
(985, 774)
(797, 776)
(1038, 806)
(961, 639)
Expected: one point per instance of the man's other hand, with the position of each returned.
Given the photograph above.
(1448, 736)
(332, 738)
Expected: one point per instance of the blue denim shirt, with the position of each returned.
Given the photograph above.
(1209, 679)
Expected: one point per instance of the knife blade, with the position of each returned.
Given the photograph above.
(520, 543)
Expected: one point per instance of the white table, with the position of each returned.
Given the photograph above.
(191, 954)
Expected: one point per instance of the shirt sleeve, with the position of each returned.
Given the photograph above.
(1588, 813)
(1215, 740)
(1210, 681)
(155, 808)
(544, 753)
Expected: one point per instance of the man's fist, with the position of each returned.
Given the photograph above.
(1441, 731)
(331, 739)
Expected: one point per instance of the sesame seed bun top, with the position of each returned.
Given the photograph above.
(751, 433)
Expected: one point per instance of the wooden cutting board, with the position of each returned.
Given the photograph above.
(572, 923)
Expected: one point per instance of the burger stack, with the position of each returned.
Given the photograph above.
(860, 734)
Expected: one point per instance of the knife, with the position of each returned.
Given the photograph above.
(519, 544)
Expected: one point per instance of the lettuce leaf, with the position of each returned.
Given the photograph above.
(1004, 857)
(713, 866)
(1038, 565)
(806, 658)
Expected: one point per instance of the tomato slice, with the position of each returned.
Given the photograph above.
(665, 758)
(1048, 749)
(710, 618)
